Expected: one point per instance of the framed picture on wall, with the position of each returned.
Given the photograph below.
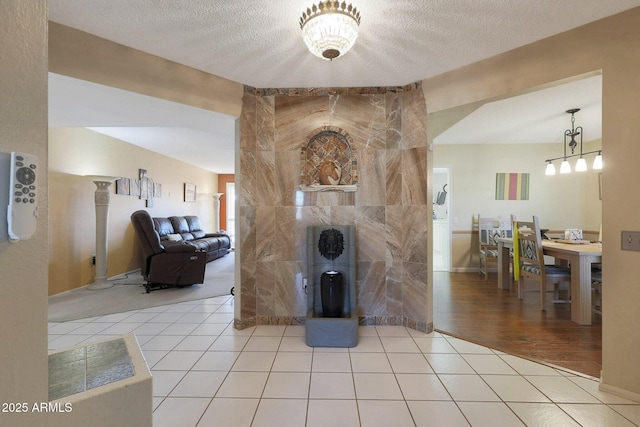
(189, 192)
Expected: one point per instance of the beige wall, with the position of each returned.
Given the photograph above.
(23, 265)
(560, 201)
(74, 152)
(613, 46)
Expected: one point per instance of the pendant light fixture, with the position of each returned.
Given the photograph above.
(570, 141)
(330, 28)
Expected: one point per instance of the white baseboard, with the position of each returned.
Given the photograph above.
(619, 392)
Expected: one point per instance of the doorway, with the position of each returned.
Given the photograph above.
(441, 223)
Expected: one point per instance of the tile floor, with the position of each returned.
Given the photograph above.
(205, 373)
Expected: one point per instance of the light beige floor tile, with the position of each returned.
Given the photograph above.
(292, 362)
(370, 362)
(269, 331)
(514, 388)
(592, 387)
(281, 413)
(429, 414)
(167, 342)
(542, 414)
(595, 415)
(199, 384)
(216, 361)
(392, 331)
(196, 342)
(334, 413)
(222, 318)
(331, 386)
(488, 364)
(153, 356)
(399, 345)
(179, 329)
(368, 345)
(561, 390)
(230, 330)
(489, 414)
(178, 360)
(467, 347)
(287, 385)
(409, 363)
(422, 387)
(165, 381)
(331, 362)
(209, 329)
(384, 413)
(243, 384)
(295, 331)
(630, 412)
(229, 412)
(443, 363)
(434, 345)
(376, 386)
(121, 328)
(263, 343)
(294, 343)
(179, 411)
(468, 388)
(151, 328)
(527, 367)
(254, 361)
(367, 331)
(229, 343)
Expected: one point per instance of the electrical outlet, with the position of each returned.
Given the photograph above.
(93, 259)
(630, 241)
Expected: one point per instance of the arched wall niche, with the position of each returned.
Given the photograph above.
(327, 161)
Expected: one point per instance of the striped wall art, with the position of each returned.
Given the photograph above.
(512, 186)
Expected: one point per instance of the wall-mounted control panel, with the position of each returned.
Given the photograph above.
(630, 240)
(21, 173)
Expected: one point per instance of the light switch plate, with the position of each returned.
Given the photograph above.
(630, 241)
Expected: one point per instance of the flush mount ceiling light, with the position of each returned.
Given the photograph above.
(330, 28)
(570, 141)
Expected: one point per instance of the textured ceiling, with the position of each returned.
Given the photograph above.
(259, 43)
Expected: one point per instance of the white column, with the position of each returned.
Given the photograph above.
(102, 223)
(216, 211)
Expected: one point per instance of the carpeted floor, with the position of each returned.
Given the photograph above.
(128, 293)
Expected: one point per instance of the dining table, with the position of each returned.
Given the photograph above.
(579, 256)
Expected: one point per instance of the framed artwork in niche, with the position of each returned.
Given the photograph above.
(189, 192)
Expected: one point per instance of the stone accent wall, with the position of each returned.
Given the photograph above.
(389, 208)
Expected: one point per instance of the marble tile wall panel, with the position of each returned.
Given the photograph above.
(264, 184)
(414, 291)
(265, 123)
(248, 187)
(372, 182)
(371, 289)
(291, 299)
(296, 117)
(394, 276)
(393, 176)
(287, 179)
(394, 121)
(247, 238)
(415, 234)
(370, 233)
(291, 230)
(343, 215)
(394, 233)
(414, 119)
(363, 117)
(414, 176)
(248, 290)
(265, 225)
(266, 290)
(248, 123)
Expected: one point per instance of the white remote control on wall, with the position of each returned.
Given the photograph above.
(22, 212)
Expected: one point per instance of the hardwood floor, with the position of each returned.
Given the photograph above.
(467, 306)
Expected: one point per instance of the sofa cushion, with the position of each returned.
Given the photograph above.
(180, 224)
(163, 226)
(174, 237)
(193, 222)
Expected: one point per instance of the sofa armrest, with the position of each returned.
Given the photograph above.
(181, 246)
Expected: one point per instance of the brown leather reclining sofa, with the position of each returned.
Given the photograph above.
(175, 250)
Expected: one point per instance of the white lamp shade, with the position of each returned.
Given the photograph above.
(565, 167)
(330, 32)
(581, 165)
(551, 169)
(597, 162)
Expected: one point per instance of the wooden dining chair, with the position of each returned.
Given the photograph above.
(489, 229)
(531, 262)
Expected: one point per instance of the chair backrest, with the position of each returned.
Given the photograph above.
(530, 255)
(491, 228)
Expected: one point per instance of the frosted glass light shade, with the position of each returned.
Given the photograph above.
(330, 33)
(581, 165)
(565, 167)
(551, 169)
(597, 162)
